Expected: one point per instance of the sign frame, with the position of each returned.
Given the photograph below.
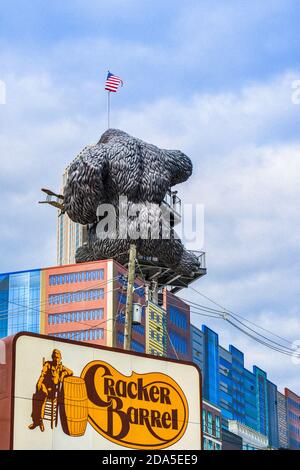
(13, 344)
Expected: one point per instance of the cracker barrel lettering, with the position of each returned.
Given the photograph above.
(143, 411)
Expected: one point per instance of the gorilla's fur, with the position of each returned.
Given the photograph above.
(121, 165)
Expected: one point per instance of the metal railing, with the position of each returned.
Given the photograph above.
(201, 257)
(173, 203)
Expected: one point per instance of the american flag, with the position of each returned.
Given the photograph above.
(112, 82)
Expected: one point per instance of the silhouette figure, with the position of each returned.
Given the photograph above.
(47, 387)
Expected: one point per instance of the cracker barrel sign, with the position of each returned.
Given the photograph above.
(141, 411)
(79, 392)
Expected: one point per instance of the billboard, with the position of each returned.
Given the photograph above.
(70, 395)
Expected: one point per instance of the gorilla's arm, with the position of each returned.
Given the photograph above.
(179, 166)
(84, 188)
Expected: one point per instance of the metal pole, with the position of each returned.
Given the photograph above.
(108, 109)
(129, 299)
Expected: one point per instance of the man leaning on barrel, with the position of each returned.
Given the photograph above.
(52, 375)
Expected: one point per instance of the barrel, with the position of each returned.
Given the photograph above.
(74, 406)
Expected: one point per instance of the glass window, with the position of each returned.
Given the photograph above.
(218, 427)
(204, 423)
(209, 422)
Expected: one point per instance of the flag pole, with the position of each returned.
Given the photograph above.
(108, 109)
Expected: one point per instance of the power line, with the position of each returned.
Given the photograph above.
(57, 313)
(240, 316)
(225, 313)
(221, 315)
(38, 302)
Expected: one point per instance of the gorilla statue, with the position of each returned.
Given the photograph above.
(121, 165)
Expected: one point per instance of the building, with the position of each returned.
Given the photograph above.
(77, 300)
(272, 415)
(86, 302)
(178, 327)
(197, 347)
(243, 396)
(211, 426)
(231, 441)
(20, 294)
(252, 440)
(70, 235)
(156, 326)
(82, 302)
(211, 384)
(262, 401)
(293, 417)
(283, 438)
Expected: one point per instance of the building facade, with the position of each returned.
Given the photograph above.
(197, 348)
(272, 415)
(293, 417)
(86, 302)
(178, 327)
(69, 235)
(156, 327)
(20, 303)
(252, 440)
(231, 441)
(243, 396)
(211, 383)
(211, 426)
(283, 438)
(78, 301)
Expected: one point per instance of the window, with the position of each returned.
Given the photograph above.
(209, 423)
(69, 278)
(93, 294)
(218, 427)
(76, 316)
(204, 424)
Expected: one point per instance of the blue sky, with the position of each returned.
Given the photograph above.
(213, 78)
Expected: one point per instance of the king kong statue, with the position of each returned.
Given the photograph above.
(121, 165)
